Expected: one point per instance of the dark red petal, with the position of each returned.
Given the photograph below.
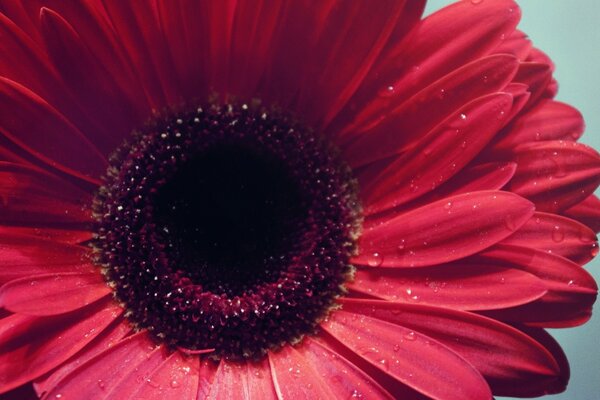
(406, 125)
(108, 105)
(242, 380)
(176, 378)
(25, 354)
(426, 54)
(460, 285)
(67, 236)
(571, 290)
(126, 366)
(116, 331)
(439, 156)
(503, 354)
(558, 235)
(407, 356)
(550, 120)
(322, 52)
(443, 231)
(24, 255)
(36, 126)
(555, 175)
(139, 32)
(52, 294)
(586, 212)
(30, 196)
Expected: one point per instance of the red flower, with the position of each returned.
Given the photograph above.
(276, 143)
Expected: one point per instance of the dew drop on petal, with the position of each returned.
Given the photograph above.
(375, 260)
(557, 234)
(410, 336)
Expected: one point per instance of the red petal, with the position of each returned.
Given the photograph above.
(555, 175)
(571, 290)
(66, 236)
(138, 30)
(176, 378)
(439, 156)
(294, 377)
(550, 120)
(517, 44)
(32, 196)
(104, 341)
(426, 54)
(408, 356)
(536, 76)
(53, 293)
(208, 370)
(558, 235)
(121, 369)
(110, 106)
(408, 123)
(443, 231)
(501, 353)
(242, 380)
(26, 355)
(322, 52)
(24, 255)
(467, 286)
(587, 212)
(33, 124)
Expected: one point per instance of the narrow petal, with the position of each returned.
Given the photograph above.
(426, 55)
(34, 125)
(555, 175)
(128, 365)
(550, 120)
(571, 290)
(439, 156)
(176, 378)
(408, 356)
(111, 107)
(24, 255)
(517, 44)
(557, 235)
(66, 236)
(443, 231)
(30, 196)
(291, 375)
(26, 355)
(116, 331)
(503, 354)
(460, 285)
(242, 380)
(208, 371)
(537, 76)
(52, 294)
(586, 212)
(410, 121)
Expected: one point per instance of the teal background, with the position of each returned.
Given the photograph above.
(569, 31)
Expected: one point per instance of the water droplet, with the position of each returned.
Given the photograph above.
(463, 145)
(396, 348)
(101, 384)
(571, 282)
(410, 336)
(557, 234)
(476, 1)
(594, 251)
(58, 396)
(387, 91)
(463, 116)
(375, 260)
(448, 206)
(174, 384)
(442, 94)
(152, 383)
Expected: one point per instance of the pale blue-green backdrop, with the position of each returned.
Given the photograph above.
(569, 31)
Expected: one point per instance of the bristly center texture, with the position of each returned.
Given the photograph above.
(226, 227)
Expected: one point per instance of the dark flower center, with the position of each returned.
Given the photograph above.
(226, 228)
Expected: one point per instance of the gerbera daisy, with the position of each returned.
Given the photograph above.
(254, 199)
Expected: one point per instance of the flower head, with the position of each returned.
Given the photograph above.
(245, 199)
